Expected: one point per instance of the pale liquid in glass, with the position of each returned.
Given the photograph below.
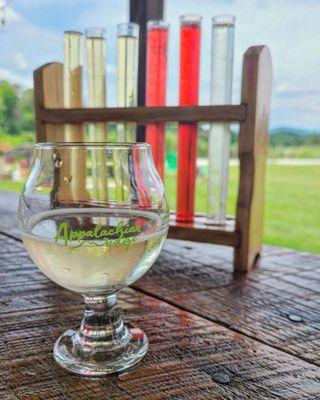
(96, 81)
(89, 266)
(127, 77)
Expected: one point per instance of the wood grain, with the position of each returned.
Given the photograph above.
(187, 353)
(144, 115)
(8, 213)
(253, 147)
(199, 278)
(48, 84)
(48, 92)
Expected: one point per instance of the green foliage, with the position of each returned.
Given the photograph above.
(17, 119)
(295, 151)
(282, 144)
(16, 109)
(286, 139)
(312, 140)
(8, 108)
(171, 137)
(26, 110)
(23, 139)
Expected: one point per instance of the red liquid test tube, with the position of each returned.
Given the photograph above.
(190, 33)
(156, 85)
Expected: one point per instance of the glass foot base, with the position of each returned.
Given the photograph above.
(99, 360)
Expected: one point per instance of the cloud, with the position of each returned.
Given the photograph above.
(292, 91)
(33, 36)
(15, 78)
(290, 28)
(20, 61)
(24, 47)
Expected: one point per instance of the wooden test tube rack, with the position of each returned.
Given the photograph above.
(244, 232)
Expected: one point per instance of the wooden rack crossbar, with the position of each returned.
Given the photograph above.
(145, 115)
(225, 235)
(244, 233)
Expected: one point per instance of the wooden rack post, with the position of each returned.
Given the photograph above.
(244, 233)
(253, 148)
(48, 93)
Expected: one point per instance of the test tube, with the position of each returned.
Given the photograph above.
(220, 133)
(72, 182)
(190, 33)
(156, 85)
(72, 78)
(96, 82)
(127, 75)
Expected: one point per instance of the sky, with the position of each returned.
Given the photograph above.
(33, 35)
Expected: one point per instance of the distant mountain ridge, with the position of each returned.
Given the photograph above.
(296, 131)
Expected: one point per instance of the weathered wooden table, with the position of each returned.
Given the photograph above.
(213, 335)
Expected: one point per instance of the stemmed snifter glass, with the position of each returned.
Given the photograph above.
(94, 217)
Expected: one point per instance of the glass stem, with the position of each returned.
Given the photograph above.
(102, 328)
(103, 344)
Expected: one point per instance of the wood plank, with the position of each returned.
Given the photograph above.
(199, 277)
(253, 148)
(277, 303)
(186, 358)
(144, 115)
(48, 81)
(284, 283)
(213, 292)
(8, 213)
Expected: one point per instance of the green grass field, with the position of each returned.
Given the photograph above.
(292, 212)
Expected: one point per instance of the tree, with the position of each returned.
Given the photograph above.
(286, 139)
(8, 108)
(313, 139)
